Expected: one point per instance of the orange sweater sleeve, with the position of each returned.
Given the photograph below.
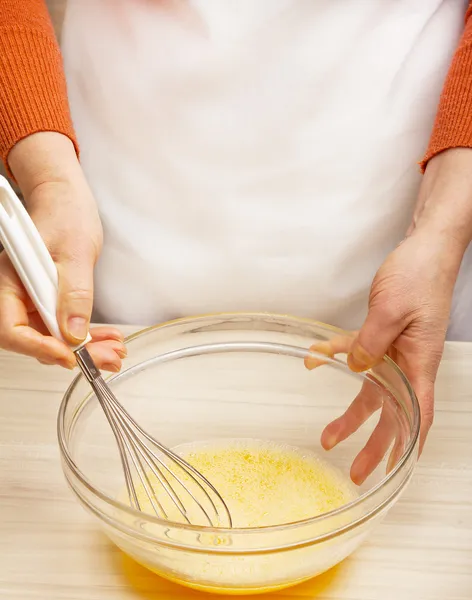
(453, 126)
(33, 94)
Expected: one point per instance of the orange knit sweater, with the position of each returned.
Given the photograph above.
(33, 93)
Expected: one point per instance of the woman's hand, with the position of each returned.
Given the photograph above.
(408, 317)
(64, 211)
(409, 308)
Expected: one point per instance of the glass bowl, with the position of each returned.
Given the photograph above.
(242, 376)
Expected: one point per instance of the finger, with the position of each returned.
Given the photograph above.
(381, 328)
(17, 336)
(75, 298)
(36, 322)
(99, 334)
(376, 447)
(104, 339)
(339, 345)
(48, 363)
(109, 346)
(424, 389)
(396, 453)
(107, 355)
(104, 332)
(364, 405)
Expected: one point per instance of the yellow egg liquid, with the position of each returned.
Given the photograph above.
(263, 483)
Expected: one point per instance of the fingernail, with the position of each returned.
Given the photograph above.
(312, 362)
(122, 352)
(359, 359)
(77, 328)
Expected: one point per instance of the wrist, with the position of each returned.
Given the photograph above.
(43, 158)
(444, 208)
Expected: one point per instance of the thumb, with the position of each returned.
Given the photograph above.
(381, 328)
(75, 301)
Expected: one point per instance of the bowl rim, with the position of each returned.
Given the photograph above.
(199, 529)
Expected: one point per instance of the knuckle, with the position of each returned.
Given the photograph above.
(73, 254)
(86, 248)
(391, 312)
(390, 306)
(67, 243)
(78, 295)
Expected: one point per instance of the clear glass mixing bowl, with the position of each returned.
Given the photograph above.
(239, 376)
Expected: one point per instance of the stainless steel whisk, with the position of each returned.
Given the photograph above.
(140, 453)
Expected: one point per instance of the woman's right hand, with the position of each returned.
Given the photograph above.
(64, 211)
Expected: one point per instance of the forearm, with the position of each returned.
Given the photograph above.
(33, 94)
(444, 208)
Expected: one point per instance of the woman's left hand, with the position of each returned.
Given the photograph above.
(408, 315)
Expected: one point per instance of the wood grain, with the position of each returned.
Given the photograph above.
(50, 549)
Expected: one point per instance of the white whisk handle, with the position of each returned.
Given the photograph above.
(30, 258)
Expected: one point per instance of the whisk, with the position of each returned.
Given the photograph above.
(141, 455)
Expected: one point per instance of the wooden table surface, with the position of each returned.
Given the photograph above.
(50, 549)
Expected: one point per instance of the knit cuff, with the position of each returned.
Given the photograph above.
(453, 126)
(33, 95)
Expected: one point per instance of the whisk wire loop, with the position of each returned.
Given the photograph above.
(138, 450)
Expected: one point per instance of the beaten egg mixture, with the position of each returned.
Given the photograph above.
(262, 483)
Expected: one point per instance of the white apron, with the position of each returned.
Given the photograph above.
(254, 155)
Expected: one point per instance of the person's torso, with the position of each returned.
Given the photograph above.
(252, 155)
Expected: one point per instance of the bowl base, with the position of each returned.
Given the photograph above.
(228, 591)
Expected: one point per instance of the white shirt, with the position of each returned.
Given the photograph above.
(254, 155)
